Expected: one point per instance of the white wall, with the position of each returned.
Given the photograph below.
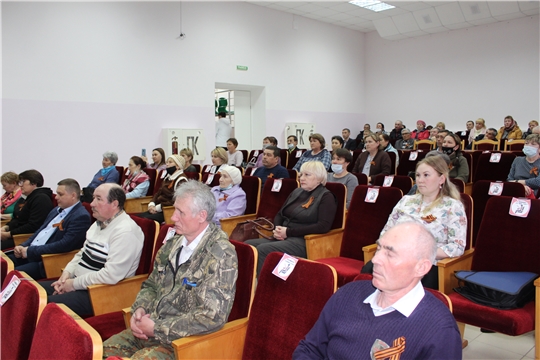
(487, 71)
(82, 78)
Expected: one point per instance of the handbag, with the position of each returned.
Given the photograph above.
(251, 229)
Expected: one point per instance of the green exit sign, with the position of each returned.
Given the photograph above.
(241, 67)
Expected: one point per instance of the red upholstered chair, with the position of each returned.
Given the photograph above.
(19, 315)
(426, 145)
(282, 313)
(244, 155)
(6, 265)
(121, 174)
(460, 185)
(504, 243)
(393, 157)
(480, 196)
(402, 182)
(487, 170)
(293, 158)
(469, 210)
(514, 145)
(486, 144)
(284, 157)
(363, 226)
(362, 178)
(197, 167)
(253, 154)
(62, 334)
(355, 155)
(252, 187)
(406, 165)
(293, 174)
(193, 176)
(152, 174)
(468, 156)
(271, 202)
(213, 182)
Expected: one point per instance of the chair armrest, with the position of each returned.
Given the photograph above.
(320, 246)
(228, 224)
(226, 343)
(137, 205)
(55, 263)
(468, 188)
(168, 212)
(369, 252)
(537, 319)
(110, 298)
(10, 265)
(19, 239)
(127, 316)
(447, 267)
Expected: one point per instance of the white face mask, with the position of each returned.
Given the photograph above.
(530, 151)
(337, 168)
(290, 146)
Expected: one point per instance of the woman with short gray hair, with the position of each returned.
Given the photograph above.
(108, 174)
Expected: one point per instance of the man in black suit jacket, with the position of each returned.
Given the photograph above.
(350, 144)
(64, 230)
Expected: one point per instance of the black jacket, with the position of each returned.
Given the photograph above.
(30, 213)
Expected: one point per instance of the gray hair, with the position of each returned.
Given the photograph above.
(317, 168)
(116, 193)
(494, 130)
(112, 156)
(201, 196)
(406, 130)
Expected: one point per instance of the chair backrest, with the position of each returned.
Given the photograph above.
(514, 145)
(62, 334)
(425, 145)
(253, 154)
(468, 156)
(19, 315)
(293, 174)
(480, 196)
(121, 175)
(284, 157)
(393, 157)
(88, 208)
(407, 165)
(6, 265)
(152, 174)
(283, 312)
(273, 201)
(244, 155)
(441, 296)
(245, 282)
(150, 229)
(494, 171)
(459, 184)
(402, 182)
(215, 179)
(193, 176)
(506, 242)
(159, 181)
(293, 158)
(340, 192)
(365, 221)
(197, 167)
(485, 145)
(355, 155)
(163, 230)
(362, 178)
(252, 187)
(467, 201)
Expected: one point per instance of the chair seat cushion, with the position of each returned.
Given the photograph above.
(107, 325)
(510, 322)
(347, 269)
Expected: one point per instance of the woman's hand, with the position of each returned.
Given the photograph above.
(152, 209)
(280, 233)
(528, 191)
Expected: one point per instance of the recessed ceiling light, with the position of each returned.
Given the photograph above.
(373, 5)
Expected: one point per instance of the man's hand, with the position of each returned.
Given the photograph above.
(59, 284)
(146, 325)
(5, 235)
(141, 325)
(17, 251)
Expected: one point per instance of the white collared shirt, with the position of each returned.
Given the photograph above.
(187, 250)
(45, 234)
(405, 305)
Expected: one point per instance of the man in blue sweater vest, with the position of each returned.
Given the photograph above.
(392, 316)
(271, 166)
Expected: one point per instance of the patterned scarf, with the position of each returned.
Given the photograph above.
(9, 198)
(133, 180)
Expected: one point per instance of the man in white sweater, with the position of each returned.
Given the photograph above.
(110, 253)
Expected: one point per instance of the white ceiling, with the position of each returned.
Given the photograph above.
(408, 18)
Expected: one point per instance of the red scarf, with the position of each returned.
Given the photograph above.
(134, 180)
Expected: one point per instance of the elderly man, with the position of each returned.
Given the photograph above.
(192, 287)
(350, 144)
(395, 134)
(406, 142)
(110, 253)
(271, 165)
(292, 144)
(64, 230)
(392, 312)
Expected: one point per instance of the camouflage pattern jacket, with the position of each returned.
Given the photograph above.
(197, 297)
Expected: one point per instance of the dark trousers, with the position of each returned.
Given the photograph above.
(294, 246)
(157, 216)
(430, 280)
(34, 269)
(8, 244)
(78, 301)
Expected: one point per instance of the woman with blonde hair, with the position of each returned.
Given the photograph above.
(374, 161)
(219, 157)
(187, 154)
(479, 129)
(10, 183)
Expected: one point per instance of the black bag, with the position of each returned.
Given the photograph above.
(249, 229)
(500, 290)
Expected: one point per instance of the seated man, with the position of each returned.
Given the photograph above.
(292, 144)
(406, 142)
(440, 138)
(64, 230)
(192, 286)
(110, 253)
(271, 166)
(393, 309)
(350, 144)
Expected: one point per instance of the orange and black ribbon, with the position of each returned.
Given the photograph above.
(224, 198)
(101, 178)
(271, 175)
(372, 163)
(429, 219)
(534, 171)
(393, 353)
(308, 204)
(59, 225)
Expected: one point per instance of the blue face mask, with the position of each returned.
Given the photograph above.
(290, 146)
(530, 151)
(226, 188)
(337, 168)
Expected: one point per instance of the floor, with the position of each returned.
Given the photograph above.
(497, 346)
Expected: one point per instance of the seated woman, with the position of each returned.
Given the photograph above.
(525, 169)
(438, 207)
(341, 158)
(387, 146)
(235, 157)
(137, 183)
(230, 197)
(374, 161)
(310, 209)
(420, 133)
(164, 196)
(158, 158)
(317, 153)
(337, 142)
(510, 130)
(219, 158)
(478, 129)
(108, 174)
(459, 167)
(12, 193)
(379, 129)
(187, 154)
(31, 209)
(441, 126)
(532, 125)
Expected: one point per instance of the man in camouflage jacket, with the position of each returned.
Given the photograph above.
(191, 288)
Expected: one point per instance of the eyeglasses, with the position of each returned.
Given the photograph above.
(21, 182)
(405, 133)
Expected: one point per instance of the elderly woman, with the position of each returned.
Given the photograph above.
(309, 209)
(526, 169)
(158, 158)
(219, 158)
(337, 142)
(164, 196)
(374, 161)
(510, 130)
(438, 207)
(108, 174)
(187, 154)
(31, 209)
(532, 125)
(317, 153)
(459, 167)
(10, 184)
(420, 133)
(137, 182)
(235, 157)
(230, 197)
(341, 158)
